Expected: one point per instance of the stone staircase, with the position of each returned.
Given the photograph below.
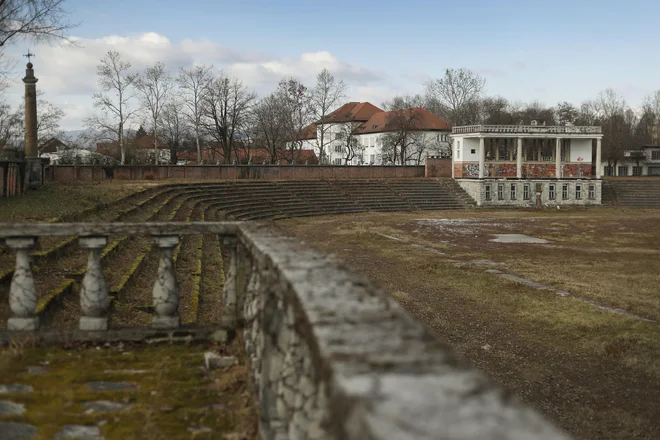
(634, 193)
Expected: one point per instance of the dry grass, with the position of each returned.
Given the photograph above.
(595, 372)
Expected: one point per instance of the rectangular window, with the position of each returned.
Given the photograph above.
(526, 191)
(338, 161)
(655, 155)
(551, 191)
(458, 152)
(623, 171)
(637, 171)
(578, 192)
(609, 171)
(489, 195)
(337, 135)
(592, 192)
(500, 191)
(564, 191)
(372, 158)
(513, 191)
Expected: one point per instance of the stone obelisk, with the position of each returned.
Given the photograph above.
(34, 168)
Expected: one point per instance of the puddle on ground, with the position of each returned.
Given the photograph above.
(517, 238)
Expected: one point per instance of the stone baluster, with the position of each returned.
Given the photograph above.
(94, 292)
(166, 288)
(230, 287)
(22, 291)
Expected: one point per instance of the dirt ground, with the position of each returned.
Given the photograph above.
(570, 325)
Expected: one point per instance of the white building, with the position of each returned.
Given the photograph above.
(528, 165)
(369, 131)
(641, 162)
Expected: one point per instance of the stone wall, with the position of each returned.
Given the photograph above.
(334, 357)
(68, 173)
(477, 189)
(437, 167)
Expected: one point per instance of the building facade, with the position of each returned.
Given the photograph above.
(528, 165)
(359, 133)
(641, 162)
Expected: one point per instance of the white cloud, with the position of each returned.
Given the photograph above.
(67, 72)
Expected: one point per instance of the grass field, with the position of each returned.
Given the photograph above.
(571, 325)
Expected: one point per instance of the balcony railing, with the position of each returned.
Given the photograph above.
(331, 355)
(527, 129)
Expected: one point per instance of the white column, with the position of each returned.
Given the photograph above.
(94, 299)
(558, 159)
(166, 289)
(598, 160)
(22, 291)
(482, 157)
(519, 159)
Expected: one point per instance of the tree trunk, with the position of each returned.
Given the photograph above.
(155, 143)
(122, 147)
(199, 148)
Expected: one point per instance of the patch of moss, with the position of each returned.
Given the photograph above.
(63, 289)
(173, 395)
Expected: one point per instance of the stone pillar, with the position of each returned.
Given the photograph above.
(22, 291)
(166, 289)
(558, 158)
(482, 157)
(598, 158)
(94, 292)
(519, 158)
(34, 167)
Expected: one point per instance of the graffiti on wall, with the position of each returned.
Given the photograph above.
(539, 170)
(576, 170)
(502, 169)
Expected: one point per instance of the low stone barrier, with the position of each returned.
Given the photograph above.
(69, 173)
(332, 356)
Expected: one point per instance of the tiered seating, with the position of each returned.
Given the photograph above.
(427, 194)
(638, 192)
(374, 195)
(323, 196)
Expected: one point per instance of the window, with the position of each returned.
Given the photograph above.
(338, 149)
(637, 171)
(655, 155)
(372, 158)
(609, 171)
(338, 161)
(623, 171)
(500, 191)
(578, 192)
(458, 152)
(489, 195)
(513, 191)
(592, 192)
(526, 191)
(337, 135)
(551, 191)
(473, 151)
(564, 191)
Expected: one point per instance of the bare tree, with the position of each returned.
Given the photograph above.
(618, 124)
(297, 114)
(48, 120)
(403, 140)
(455, 96)
(193, 83)
(270, 123)
(155, 87)
(11, 126)
(174, 127)
(227, 104)
(325, 97)
(650, 123)
(39, 20)
(350, 146)
(113, 103)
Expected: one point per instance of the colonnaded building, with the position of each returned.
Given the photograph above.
(528, 165)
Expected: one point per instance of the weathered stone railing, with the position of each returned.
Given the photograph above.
(332, 356)
(519, 129)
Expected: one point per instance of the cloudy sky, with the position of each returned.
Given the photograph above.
(527, 50)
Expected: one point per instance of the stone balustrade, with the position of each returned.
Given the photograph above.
(331, 355)
(531, 129)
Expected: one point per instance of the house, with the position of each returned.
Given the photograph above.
(528, 165)
(361, 133)
(52, 145)
(139, 151)
(644, 161)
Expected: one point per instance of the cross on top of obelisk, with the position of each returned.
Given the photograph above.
(29, 55)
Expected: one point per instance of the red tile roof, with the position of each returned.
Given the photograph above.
(353, 112)
(423, 120)
(307, 133)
